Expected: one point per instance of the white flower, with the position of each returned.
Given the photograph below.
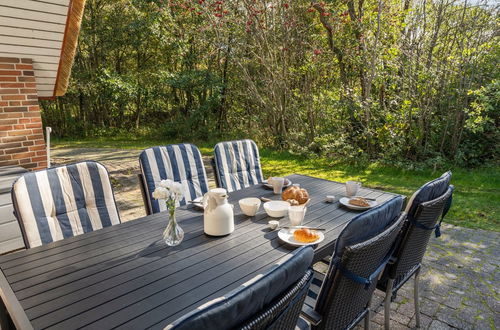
(177, 191)
(166, 184)
(161, 193)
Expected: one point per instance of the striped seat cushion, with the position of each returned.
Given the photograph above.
(237, 164)
(64, 201)
(178, 162)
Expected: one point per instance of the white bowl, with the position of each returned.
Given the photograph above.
(249, 205)
(276, 209)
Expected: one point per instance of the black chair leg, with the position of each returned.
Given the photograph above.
(417, 307)
(387, 304)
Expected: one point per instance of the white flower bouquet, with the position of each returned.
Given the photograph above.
(172, 193)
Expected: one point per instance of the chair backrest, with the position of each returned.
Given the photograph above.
(429, 191)
(272, 300)
(178, 162)
(237, 164)
(361, 252)
(64, 201)
(415, 237)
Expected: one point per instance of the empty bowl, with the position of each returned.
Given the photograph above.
(276, 209)
(249, 206)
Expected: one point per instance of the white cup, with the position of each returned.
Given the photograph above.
(249, 205)
(296, 214)
(277, 183)
(352, 187)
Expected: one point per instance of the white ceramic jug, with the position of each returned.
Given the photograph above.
(218, 219)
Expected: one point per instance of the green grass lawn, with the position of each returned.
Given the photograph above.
(476, 201)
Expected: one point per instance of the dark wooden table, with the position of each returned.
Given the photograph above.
(125, 276)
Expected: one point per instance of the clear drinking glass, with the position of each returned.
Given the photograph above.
(296, 214)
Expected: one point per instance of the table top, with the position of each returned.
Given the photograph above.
(125, 276)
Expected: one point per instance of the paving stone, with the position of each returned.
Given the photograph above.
(460, 275)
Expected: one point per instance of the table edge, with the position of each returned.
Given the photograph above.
(13, 306)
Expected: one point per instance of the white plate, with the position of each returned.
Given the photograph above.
(345, 201)
(287, 184)
(286, 235)
(198, 202)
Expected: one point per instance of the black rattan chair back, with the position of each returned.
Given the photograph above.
(415, 237)
(344, 300)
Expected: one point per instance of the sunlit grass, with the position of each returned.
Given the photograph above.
(477, 191)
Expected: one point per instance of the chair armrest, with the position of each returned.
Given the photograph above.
(311, 315)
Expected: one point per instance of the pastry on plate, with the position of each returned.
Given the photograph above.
(305, 235)
(359, 201)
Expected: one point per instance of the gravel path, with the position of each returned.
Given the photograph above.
(460, 282)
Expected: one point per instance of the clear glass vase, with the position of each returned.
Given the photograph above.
(173, 234)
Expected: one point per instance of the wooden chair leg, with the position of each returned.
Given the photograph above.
(387, 304)
(417, 307)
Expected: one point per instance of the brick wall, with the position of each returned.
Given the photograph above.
(21, 133)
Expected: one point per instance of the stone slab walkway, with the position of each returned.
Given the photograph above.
(460, 281)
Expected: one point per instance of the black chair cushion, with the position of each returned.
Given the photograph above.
(369, 224)
(244, 302)
(429, 191)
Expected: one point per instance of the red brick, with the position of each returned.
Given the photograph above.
(14, 139)
(3, 78)
(28, 143)
(4, 104)
(16, 150)
(11, 145)
(30, 79)
(42, 165)
(10, 73)
(14, 103)
(31, 114)
(40, 141)
(24, 121)
(14, 97)
(8, 115)
(32, 97)
(9, 59)
(6, 128)
(9, 162)
(19, 126)
(6, 66)
(31, 103)
(26, 60)
(7, 85)
(35, 125)
(5, 157)
(25, 161)
(9, 121)
(29, 73)
(39, 158)
(37, 148)
(20, 132)
(30, 84)
(34, 108)
(36, 137)
(24, 66)
(9, 91)
(22, 155)
(15, 109)
(28, 91)
(37, 130)
(36, 120)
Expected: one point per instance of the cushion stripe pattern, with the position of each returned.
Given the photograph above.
(178, 162)
(237, 164)
(64, 201)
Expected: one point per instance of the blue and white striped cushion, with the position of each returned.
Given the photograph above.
(237, 164)
(64, 201)
(178, 162)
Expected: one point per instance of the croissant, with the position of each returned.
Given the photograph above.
(305, 235)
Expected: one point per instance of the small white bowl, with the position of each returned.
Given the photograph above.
(276, 209)
(273, 224)
(249, 205)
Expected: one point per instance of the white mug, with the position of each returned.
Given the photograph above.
(351, 188)
(296, 214)
(277, 183)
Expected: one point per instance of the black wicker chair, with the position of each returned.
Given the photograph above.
(411, 248)
(272, 301)
(341, 298)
